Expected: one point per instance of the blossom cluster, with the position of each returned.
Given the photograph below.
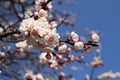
(41, 33)
(38, 31)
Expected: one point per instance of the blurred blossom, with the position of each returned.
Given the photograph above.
(1, 30)
(87, 77)
(2, 54)
(28, 13)
(108, 75)
(30, 76)
(0, 71)
(97, 62)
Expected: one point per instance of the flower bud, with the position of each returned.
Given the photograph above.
(79, 45)
(62, 48)
(74, 36)
(95, 37)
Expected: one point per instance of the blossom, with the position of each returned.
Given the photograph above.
(26, 26)
(1, 30)
(74, 36)
(95, 37)
(37, 1)
(53, 64)
(0, 71)
(62, 48)
(28, 13)
(62, 75)
(52, 39)
(109, 74)
(46, 57)
(89, 49)
(21, 44)
(58, 56)
(43, 13)
(53, 24)
(87, 77)
(2, 54)
(39, 34)
(97, 62)
(30, 76)
(49, 5)
(48, 49)
(39, 77)
(78, 45)
(40, 3)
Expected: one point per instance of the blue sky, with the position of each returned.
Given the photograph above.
(102, 15)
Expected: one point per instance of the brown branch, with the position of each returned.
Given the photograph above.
(66, 16)
(5, 34)
(15, 11)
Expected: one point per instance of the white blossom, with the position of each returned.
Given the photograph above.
(38, 1)
(2, 54)
(0, 71)
(39, 77)
(53, 64)
(21, 44)
(87, 77)
(48, 49)
(29, 75)
(62, 48)
(97, 62)
(28, 13)
(1, 30)
(26, 25)
(39, 34)
(75, 36)
(78, 45)
(62, 74)
(46, 57)
(90, 49)
(43, 13)
(109, 74)
(49, 5)
(95, 37)
(53, 24)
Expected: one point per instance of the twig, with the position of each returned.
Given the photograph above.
(5, 34)
(15, 11)
(66, 16)
(92, 73)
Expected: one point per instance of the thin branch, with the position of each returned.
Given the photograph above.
(92, 73)
(66, 16)
(15, 11)
(5, 34)
(10, 69)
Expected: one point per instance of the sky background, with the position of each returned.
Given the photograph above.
(102, 15)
